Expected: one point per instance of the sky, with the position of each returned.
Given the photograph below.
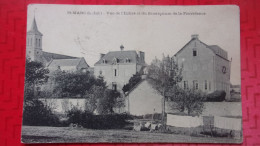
(100, 29)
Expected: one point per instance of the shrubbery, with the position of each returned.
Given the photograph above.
(88, 120)
(35, 113)
(217, 96)
(134, 80)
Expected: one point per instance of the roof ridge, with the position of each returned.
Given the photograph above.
(142, 80)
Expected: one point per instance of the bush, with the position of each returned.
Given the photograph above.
(134, 80)
(36, 114)
(88, 120)
(217, 96)
(79, 117)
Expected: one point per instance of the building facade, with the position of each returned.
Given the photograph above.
(117, 67)
(205, 67)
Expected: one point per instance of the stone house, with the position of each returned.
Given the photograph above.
(205, 67)
(117, 67)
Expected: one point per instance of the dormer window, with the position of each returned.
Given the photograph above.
(104, 61)
(115, 60)
(127, 60)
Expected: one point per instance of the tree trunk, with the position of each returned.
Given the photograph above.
(163, 111)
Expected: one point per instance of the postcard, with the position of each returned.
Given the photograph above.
(132, 74)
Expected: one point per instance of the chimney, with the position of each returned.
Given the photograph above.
(194, 36)
(101, 55)
(122, 48)
(141, 56)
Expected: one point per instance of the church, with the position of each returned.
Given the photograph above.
(205, 67)
(52, 61)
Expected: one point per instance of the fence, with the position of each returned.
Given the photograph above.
(211, 125)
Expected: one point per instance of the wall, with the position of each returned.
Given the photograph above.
(60, 106)
(222, 79)
(144, 100)
(124, 72)
(198, 67)
(228, 109)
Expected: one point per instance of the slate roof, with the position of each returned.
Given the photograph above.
(64, 62)
(215, 48)
(120, 55)
(34, 28)
(49, 56)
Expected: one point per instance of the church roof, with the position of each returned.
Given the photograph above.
(64, 62)
(34, 28)
(120, 55)
(49, 56)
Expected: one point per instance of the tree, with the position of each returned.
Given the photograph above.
(35, 112)
(164, 75)
(35, 75)
(73, 83)
(134, 80)
(107, 102)
(187, 100)
(95, 93)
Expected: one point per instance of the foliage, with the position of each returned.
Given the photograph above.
(35, 75)
(73, 83)
(134, 80)
(107, 102)
(216, 96)
(35, 113)
(76, 116)
(164, 74)
(188, 100)
(88, 120)
(95, 93)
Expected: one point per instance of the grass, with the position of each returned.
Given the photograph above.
(41, 134)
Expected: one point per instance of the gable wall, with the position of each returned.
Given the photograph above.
(198, 67)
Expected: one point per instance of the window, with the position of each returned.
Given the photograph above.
(127, 60)
(209, 86)
(115, 71)
(104, 61)
(185, 84)
(39, 42)
(194, 52)
(115, 60)
(114, 86)
(206, 85)
(195, 85)
(100, 72)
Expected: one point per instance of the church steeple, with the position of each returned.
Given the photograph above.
(34, 43)
(34, 28)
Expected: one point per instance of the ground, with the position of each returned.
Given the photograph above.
(41, 134)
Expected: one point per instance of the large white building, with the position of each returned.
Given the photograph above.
(117, 67)
(205, 67)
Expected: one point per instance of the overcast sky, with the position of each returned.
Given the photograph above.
(85, 35)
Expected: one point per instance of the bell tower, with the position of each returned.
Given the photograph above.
(34, 43)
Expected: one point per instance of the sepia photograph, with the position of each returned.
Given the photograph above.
(132, 74)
